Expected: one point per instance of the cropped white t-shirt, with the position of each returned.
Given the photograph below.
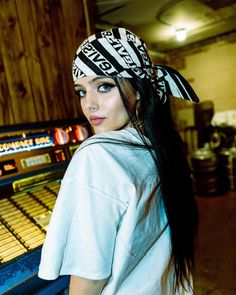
(109, 219)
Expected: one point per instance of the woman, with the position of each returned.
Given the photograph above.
(125, 220)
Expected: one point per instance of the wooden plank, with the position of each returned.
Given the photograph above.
(13, 56)
(76, 24)
(6, 114)
(63, 57)
(75, 33)
(34, 68)
(41, 14)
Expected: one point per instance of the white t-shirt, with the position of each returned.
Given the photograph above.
(109, 219)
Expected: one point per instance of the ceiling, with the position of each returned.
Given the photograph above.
(155, 21)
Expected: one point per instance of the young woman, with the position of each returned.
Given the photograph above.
(125, 220)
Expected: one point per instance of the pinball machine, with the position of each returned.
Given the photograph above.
(33, 159)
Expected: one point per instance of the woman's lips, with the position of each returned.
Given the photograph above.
(94, 120)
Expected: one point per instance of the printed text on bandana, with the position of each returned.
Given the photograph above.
(99, 60)
(122, 51)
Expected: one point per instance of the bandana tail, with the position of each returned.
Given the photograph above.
(172, 83)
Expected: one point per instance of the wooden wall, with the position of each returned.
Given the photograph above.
(38, 39)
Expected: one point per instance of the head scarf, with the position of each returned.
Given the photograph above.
(120, 53)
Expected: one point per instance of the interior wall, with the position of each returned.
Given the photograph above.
(211, 71)
(37, 42)
(213, 74)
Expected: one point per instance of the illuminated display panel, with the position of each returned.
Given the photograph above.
(8, 167)
(60, 155)
(61, 136)
(81, 133)
(25, 144)
(35, 161)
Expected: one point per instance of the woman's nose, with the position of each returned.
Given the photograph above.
(91, 103)
(92, 108)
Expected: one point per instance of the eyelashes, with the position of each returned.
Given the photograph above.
(79, 93)
(102, 88)
(106, 87)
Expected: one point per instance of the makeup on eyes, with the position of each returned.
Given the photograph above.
(101, 84)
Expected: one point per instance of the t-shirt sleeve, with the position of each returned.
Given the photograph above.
(82, 231)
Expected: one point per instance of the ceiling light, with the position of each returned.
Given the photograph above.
(181, 34)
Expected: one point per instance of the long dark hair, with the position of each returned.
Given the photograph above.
(173, 169)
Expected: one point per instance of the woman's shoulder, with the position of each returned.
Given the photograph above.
(127, 136)
(104, 160)
(116, 149)
(111, 158)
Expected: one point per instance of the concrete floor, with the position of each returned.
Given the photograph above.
(216, 254)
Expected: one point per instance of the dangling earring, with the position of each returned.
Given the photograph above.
(135, 121)
(138, 122)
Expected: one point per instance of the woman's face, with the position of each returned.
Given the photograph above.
(101, 103)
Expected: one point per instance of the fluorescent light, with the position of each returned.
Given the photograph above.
(180, 34)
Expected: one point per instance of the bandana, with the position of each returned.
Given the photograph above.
(119, 53)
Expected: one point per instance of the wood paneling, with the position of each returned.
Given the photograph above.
(37, 42)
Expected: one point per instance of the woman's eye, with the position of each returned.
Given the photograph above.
(80, 93)
(106, 87)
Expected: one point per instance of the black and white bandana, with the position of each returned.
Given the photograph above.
(120, 53)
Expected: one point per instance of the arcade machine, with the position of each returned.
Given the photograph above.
(33, 159)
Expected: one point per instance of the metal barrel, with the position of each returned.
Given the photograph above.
(227, 168)
(204, 164)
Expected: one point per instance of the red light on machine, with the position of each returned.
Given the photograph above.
(61, 136)
(81, 133)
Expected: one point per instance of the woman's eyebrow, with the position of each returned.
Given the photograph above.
(99, 78)
(93, 80)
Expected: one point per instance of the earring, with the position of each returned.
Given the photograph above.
(135, 121)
